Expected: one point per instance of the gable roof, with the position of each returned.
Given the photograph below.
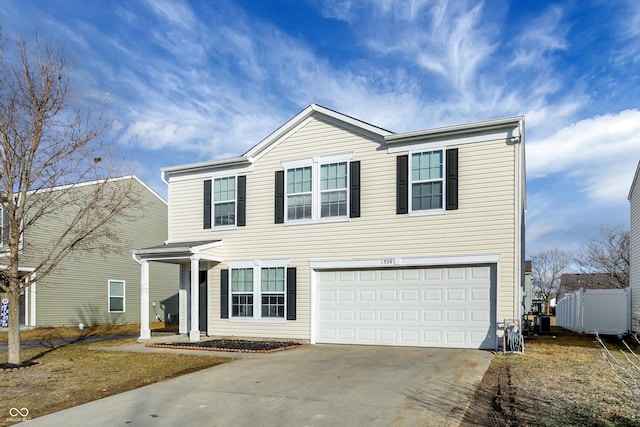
(512, 128)
(280, 134)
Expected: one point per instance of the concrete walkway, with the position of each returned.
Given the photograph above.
(318, 385)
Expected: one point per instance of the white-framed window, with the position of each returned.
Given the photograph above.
(299, 193)
(333, 190)
(224, 201)
(242, 292)
(258, 291)
(272, 292)
(317, 189)
(427, 181)
(116, 296)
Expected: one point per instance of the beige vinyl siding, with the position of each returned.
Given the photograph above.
(634, 274)
(77, 291)
(485, 222)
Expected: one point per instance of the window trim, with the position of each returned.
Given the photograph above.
(442, 179)
(316, 164)
(124, 296)
(257, 266)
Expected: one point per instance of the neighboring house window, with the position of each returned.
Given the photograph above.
(116, 295)
(264, 291)
(318, 189)
(224, 201)
(427, 180)
(242, 292)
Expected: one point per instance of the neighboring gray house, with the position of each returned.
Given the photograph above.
(634, 271)
(332, 230)
(97, 288)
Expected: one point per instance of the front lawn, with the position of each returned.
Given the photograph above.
(561, 380)
(77, 373)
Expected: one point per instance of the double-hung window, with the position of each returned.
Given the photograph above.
(224, 201)
(272, 292)
(258, 291)
(333, 190)
(242, 292)
(299, 193)
(116, 295)
(427, 180)
(318, 189)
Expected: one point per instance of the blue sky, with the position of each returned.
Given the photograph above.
(188, 81)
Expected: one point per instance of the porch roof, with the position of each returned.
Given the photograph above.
(179, 252)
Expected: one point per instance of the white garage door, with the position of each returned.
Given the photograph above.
(424, 307)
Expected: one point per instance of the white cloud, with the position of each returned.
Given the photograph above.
(600, 152)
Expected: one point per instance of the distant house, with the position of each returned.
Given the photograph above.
(572, 282)
(97, 288)
(634, 270)
(333, 230)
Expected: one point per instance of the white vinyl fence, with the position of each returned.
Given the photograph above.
(587, 311)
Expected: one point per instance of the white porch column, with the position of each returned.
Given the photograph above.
(183, 296)
(194, 333)
(145, 332)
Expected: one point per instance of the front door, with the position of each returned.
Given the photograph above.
(203, 298)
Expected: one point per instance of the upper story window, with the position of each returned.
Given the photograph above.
(333, 190)
(224, 201)
(318, 189)
(299, 193)
(427, 180)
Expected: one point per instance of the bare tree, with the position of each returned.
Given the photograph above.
(605, 259)
(546, 270)
(47, 148)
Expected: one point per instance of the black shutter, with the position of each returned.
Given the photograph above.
(291, 293)
(354, 189)
(452, 179)
(402, 184)
(242, 201)
(207, 203)
(224, 294)
(279, 196)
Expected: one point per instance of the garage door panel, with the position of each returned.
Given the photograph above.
(438, 307)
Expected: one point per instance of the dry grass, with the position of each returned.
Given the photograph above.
(560, 381)
(77, 373)
(50, 333)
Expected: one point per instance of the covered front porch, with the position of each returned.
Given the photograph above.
(195, 259)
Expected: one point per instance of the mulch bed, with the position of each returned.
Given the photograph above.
(242, 346)
(12, 367)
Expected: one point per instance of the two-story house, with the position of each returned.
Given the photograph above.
(333, 230)
(97, 287)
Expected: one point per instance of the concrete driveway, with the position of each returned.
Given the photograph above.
(319, 385)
